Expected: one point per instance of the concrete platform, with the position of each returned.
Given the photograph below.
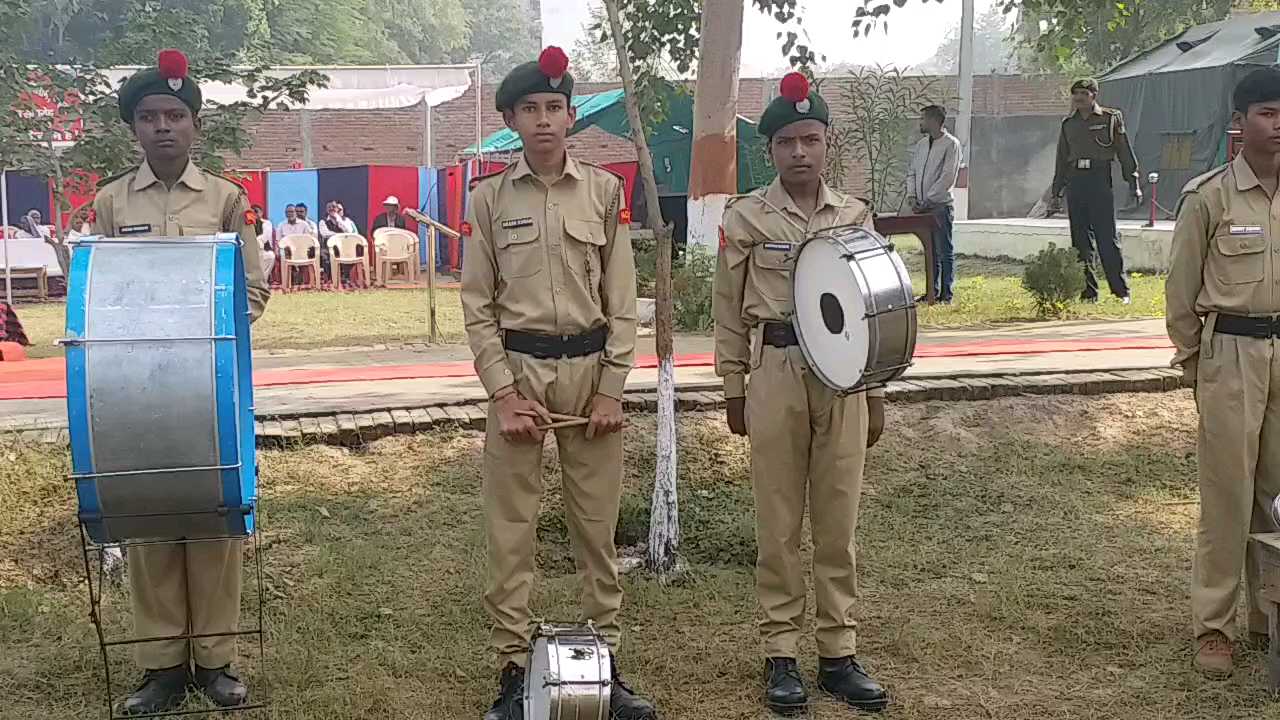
(1145, 249)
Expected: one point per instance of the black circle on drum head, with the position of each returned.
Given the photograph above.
(832, 313)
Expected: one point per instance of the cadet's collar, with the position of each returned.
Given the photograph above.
(1246, 178)
(191, 176)
(571, 168)
(778, 197)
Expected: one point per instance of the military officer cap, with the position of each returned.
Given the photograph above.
(795, 102)
(168, 77)
(548, 74)
(1085, 84)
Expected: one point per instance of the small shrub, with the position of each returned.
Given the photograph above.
(1055, 278)
(691, 289)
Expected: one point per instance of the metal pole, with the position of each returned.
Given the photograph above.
(964, 123)
(4, 228)
(479, 114)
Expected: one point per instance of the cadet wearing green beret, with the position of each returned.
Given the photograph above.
(168, 77)
(548, 74)
(795, 102)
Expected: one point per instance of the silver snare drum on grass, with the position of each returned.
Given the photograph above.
(160, 389)
(855, 315)
(569, 674)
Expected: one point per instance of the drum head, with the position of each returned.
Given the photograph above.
(537, 693)
(830, 314)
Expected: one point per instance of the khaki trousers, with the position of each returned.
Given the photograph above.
(1238, 394)
(592, 481)
(806, 442)
(180, 589)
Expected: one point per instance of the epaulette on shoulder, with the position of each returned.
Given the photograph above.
(112, 178)
(490, 176)
(602, 168)
(226, 179)
(757, 193)
(1198, 181)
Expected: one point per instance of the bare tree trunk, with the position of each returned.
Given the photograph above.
(664, 520)
(714, 167)
(60, 248)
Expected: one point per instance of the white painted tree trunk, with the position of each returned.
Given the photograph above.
(713, 176)
(705, 214)
(664, 523)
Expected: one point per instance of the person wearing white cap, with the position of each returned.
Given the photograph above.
(390, 217)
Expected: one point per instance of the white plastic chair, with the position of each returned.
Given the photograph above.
(396, 247)
(343, 251)
(299, 251)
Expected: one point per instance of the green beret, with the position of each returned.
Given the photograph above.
(548, 74)
(1085, 84)
(795, 102)
(168, 77)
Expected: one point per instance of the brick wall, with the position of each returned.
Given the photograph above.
(358, 137)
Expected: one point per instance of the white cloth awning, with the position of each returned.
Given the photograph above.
(353, 88)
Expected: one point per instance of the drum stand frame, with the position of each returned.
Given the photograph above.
(90, 548)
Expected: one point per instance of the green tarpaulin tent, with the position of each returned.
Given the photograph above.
(671, 143)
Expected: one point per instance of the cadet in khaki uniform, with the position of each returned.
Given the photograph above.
(195, 588)
(1093, 137)
(807, 442)
(1223, 314)
(549, 298)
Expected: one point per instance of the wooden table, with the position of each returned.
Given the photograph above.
(39, 274)
(920, 225)
(1266, 547)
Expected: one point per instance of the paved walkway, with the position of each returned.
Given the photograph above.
(327, 382)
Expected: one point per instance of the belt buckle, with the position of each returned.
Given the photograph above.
(1273, 326)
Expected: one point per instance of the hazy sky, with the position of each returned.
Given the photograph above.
(915, 31)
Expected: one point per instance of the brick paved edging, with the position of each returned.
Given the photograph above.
(353, 429)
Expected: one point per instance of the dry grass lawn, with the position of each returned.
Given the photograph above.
(1020, 559)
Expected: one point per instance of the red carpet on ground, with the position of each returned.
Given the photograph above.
(45, 379)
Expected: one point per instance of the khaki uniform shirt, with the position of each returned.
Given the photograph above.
(761, 233)
(549, 257)
(1225, 256)
(1096, 140)
(199, 203)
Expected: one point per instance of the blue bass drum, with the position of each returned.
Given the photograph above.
(160, 388)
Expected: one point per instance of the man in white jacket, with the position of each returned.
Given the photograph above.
(935, 164)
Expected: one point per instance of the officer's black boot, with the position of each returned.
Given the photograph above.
(160, 690)
(624, 704)
(510, 702)
(784, 688)
(220, 686)
(845, 679)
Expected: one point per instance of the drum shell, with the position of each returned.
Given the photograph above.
(159, 388)
(568, 676)
(888, 310)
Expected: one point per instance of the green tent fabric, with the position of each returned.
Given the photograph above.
(671, 144)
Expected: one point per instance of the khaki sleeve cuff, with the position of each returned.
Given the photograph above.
(735, 386)
(612, 383)
(496, 376)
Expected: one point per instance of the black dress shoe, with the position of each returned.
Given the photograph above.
(220, 686)
(624, 703)
(845, 679)
(784, 688)
(160, 690)
(510, 702)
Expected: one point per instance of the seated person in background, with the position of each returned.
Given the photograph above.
(336, 222)
(390, 216)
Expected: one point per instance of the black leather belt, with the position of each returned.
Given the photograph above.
(1254, 327)
(780, 335)
(550, 347)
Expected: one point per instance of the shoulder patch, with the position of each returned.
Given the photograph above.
(1197, 182)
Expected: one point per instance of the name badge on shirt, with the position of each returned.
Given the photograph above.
(1098, 127)
(1246, 229)
(517, 223)
(134, 229)
(778, 246)
(1084, 164)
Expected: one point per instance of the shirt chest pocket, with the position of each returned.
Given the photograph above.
(583, 240)
(1241, 257)
(519, 252)
(771, 268)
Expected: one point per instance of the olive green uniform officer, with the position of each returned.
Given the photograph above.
(807, 442)
(1222, 305)
(194, 588)
(549, 299)
(1091, 139)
